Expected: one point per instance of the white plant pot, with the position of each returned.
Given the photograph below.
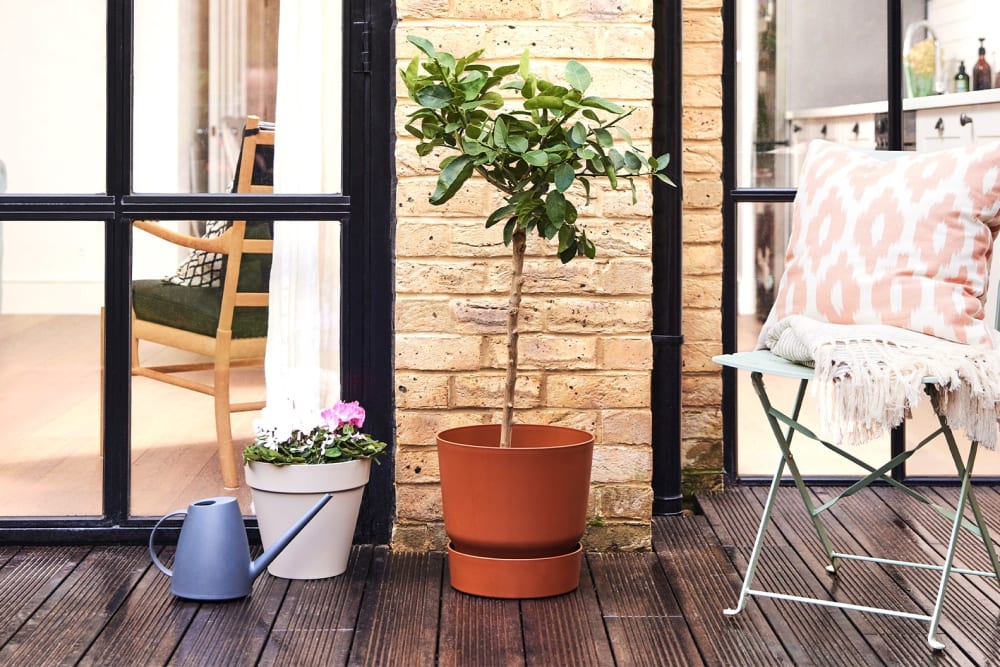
(282, 494)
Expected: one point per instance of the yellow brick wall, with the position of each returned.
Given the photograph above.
(585, 346)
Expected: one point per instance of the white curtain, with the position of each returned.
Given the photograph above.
(303, 345)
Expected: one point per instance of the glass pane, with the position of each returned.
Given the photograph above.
(177, 295)
(806, 71)
(762, 235)
(50, 367)
(203, 66)
(53, 78)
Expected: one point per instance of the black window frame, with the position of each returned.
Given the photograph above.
(366, 208)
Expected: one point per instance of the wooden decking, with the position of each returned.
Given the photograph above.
(106, 605)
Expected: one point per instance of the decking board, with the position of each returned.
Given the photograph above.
(108, 605)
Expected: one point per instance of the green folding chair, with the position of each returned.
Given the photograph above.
(784, 426)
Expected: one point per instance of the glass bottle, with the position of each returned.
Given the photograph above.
(982, 77)
(961, 79)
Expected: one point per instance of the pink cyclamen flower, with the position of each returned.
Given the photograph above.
(344, 413)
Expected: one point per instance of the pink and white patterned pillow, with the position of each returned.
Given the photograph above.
(904, 242)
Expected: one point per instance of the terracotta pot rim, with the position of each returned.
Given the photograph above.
(504, 559)
(446, 437)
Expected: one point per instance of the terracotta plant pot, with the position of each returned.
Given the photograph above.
(282, 494)
(515, 515)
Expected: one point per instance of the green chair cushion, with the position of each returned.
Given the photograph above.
(196, 309)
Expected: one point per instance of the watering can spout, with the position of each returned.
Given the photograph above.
(259, 565)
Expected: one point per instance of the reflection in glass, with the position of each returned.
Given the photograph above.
(50, 368)
(762, 236)
(201, 67)
(52, 121)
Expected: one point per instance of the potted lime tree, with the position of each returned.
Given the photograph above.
(297, 458)
(515, 495)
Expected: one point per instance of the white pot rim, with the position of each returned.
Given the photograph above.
(303, 478)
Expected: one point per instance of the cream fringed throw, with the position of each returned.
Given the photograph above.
(868, 377)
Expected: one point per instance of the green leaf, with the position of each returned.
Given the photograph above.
(451, 179)
(601, 103)
(505, 70)
(665, 179)
(658, 163)
(499, 214)
(412, 129)
(578, 135)
(517, 143)
(500, 133)
(543, 102)
(604, 137)
(564, 176)
(632, 162)
(555, 208)
(617, 161)
(422, 44)
(524, 67)
(508, 231)
(577, 76)
(536, 158)
(528, 87)
(434, 97)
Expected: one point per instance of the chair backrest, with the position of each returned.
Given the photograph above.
(248, 261)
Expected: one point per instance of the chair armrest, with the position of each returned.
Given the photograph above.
(219, 244)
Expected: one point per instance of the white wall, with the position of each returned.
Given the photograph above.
(52, 140)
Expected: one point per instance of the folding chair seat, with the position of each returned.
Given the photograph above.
(881, 304)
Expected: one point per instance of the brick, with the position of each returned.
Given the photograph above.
(550, 276)
(426, 276)
(418, 502)
(620, 238)
(416, 238)
(489, 315)
(614, 465)
(626, 353)
(585, 420)
(507, 10)
(420, 427)
(621, 502)
(421, 390)
(627, 427)
(702, 259)
(486, 391)
(703, 192)
(626, 42)
(703, 159)
(437, 352)
(618, 536)
(538, 351)
(600, 390)
(702, 422)
(698, 357)
(416, 314)
(576, 315)
(702, 59)
(705, 325)
(702, 227)
(703, 454)
(639, 11)
(702, 27)
(421, 9)
(625, 276)
(417, 465)
(701, 124)
(702, 389)
(702, 291)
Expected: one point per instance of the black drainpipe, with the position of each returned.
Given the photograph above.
(667, 270)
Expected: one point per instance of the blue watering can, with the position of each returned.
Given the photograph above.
(212, 560)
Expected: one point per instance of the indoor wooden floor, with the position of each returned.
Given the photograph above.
(107, 605)
(50, 415)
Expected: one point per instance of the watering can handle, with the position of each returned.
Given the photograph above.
(156, 561)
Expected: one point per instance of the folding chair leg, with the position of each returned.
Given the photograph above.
(758, 543)
(964, 495)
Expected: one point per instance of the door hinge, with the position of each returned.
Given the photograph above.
(361, 39)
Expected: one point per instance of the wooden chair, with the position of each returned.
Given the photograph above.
(228, 324)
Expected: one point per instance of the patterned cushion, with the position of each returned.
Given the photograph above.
(904, 242)
(202, 269)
